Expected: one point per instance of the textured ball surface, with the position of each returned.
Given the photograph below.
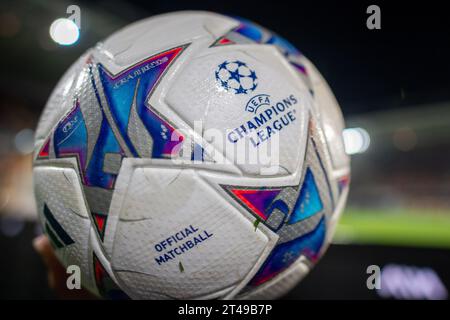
(152, 171)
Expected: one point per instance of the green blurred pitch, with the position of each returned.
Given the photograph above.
(417, 228)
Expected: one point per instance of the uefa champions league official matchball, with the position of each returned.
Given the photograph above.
(191, 156)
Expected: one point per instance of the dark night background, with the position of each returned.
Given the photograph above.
(403, 63)
(386, 80)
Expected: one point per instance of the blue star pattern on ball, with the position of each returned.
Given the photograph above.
(236, 76)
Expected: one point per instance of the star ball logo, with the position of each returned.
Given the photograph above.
(236, 76)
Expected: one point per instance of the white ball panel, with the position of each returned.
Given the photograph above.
(165, 206)
(60, 190)
(196, 95)
(156, 34)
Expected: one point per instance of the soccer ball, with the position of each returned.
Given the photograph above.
(191, 155)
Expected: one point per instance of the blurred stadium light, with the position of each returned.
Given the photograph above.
(64, 31)
(356, 140)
